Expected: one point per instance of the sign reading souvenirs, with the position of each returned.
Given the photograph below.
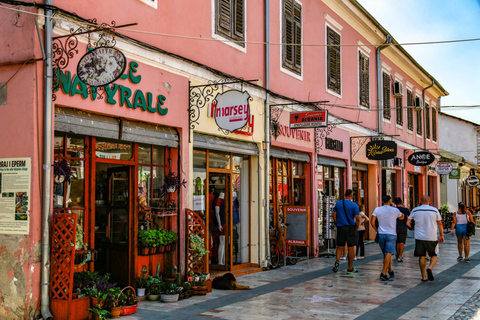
(101, 66)
(309, 119)
(421, 158)
(443, 167)
(232, 110)
(115, 94)
(473, 181)
(381, 150)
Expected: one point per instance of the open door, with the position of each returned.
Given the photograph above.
(112, 221)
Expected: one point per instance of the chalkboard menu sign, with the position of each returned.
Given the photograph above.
(298, 222)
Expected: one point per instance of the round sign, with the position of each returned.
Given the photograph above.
(473, 181)
(422, 158)
(232, 110)
(101, 66)
(443, 168)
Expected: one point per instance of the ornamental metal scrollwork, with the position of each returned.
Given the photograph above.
(356, 144)
(322, 133)
(275, 113)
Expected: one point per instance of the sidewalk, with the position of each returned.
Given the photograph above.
(295, 292)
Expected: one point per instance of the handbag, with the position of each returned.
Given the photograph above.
(470, 229)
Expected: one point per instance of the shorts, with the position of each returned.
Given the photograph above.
(387, 242)
(461, 231)
(401, 236)
(348, 235)
(422, 247)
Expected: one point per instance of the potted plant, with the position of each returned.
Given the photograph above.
(99, 288)
(197, 246)
(141, 283)
(172, 182)
(153, 285)
(171, 239)
(61, 171)
(147, 239)
(112, 301)
(127, 301)
(170, 292)
(98, 313)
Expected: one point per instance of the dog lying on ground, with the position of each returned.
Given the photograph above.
(227, 282)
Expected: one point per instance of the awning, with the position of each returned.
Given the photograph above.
(360, 166)
(331, 162)
(289, 154)
(222, 144)
(450, 156)
(90, 124)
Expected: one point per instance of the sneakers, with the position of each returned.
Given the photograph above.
(355, 259)
(353, 271)
(467, 260)
(383, 277)
(400, 259)
(335, 267)
(391, 274)
(460, 258)
(343, 258)
(361, 258)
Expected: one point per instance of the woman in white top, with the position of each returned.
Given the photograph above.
(460, 219)
(361, 232)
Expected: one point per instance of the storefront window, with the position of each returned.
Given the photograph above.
(199, 181)
(219, 160)
(151, 177)
(113, 149)
(240, 210)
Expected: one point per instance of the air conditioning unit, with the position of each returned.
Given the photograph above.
(397, 89)
(418, 103)
(387, 164)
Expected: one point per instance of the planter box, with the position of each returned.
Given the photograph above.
(77, 309)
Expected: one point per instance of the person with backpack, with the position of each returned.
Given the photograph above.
(459, 224)
(346, 217)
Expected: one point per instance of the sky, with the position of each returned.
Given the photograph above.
(456, 66)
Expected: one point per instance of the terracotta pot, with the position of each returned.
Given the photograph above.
(96, 301)
(115, 312)
(208, 283)
(143, 251)
(161, 249)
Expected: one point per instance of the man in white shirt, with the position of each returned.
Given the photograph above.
(387, 233)
(428, 222)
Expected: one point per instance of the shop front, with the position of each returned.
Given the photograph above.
(123, 144)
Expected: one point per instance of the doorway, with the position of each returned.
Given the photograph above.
(112, 220)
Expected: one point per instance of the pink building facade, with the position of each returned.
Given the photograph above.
(288, 55)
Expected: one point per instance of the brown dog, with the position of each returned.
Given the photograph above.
(227, 282)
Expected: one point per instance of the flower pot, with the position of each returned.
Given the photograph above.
(153, 297)
(143, 251)
(152, 250)
(140, 292)
(115, 312)
(208, 283)
(96, 301)
(161, 249)
(169, 297)
(171, 189)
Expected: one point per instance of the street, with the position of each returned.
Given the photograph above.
(298, 292)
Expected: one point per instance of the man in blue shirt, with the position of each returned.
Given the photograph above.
(346, 216)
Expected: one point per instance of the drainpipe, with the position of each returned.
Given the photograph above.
(425, 130)
(266, 202)
(387, 42)
(47, 166)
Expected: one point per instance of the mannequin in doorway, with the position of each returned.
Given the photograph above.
(220, 215)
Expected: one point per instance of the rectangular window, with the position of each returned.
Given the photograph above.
(427, 120)
(399, 110)
(364, 84)
(410, 104)
(418, 114)
(151, 3)
(434, 124)
(292, 36)
(230, 20)
(386, 96)
(333, 61)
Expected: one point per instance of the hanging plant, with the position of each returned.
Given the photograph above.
(62, 171)
(172, 182)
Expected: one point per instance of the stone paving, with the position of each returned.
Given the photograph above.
(315, 292)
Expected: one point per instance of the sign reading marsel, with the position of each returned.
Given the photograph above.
(443, 167)
(421, 158)
(232, 110)
(101, 66)
(381, 150)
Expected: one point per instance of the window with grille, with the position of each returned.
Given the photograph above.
(292, 36)
(386, 96)
(230, 20)
(427, 120)
(399, 110)
(418, 114)
(410, 104)
(434, 124)
(364, 84)
(333, 61)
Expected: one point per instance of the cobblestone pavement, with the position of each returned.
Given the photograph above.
(315, 292)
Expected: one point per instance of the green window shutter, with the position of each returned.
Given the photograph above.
(386, 95)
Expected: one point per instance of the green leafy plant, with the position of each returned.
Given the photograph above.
(197, 245)
(113, 296)
(127, 298)
(170, 237)
(444, 210)
(148, 238)
(187, 285)
(142, 281)
(154, 285)
(101, 313)
(171, 288)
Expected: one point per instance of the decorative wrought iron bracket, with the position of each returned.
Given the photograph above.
(321, 133)
(355, 144)
(201, 95)
(275, 113)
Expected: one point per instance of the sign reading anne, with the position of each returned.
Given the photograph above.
(381, 150)
(421, 158)
(232, 110)
(101, 66)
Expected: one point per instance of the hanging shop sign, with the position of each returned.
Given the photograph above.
(15, 196)
(101, 66)
(232, 110)
(333, 144)
(443, 167)
(455, 174)
(473, 181)
(381, 150)
(309, 119)
(421, 158)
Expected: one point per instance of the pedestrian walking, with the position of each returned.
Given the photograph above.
(361, 232)
(460, 220)
(428, 222)
(386, 216)
(402, 229)
(346, 217)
